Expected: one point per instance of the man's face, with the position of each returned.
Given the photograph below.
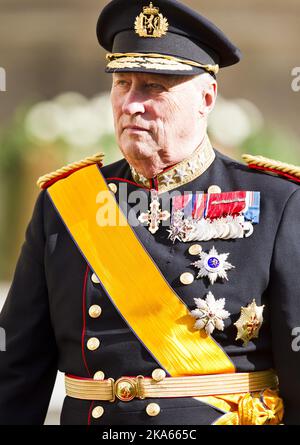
(157, 116)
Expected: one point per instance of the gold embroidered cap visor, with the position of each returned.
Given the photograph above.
(163, 36)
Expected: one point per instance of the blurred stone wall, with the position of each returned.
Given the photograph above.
(49, 46)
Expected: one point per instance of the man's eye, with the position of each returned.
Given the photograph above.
(121, 83)
(155, 86)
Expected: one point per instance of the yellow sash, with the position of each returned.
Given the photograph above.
(133, 282)
(149, 305)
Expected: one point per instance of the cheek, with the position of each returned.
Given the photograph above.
(166, 112)
(116, 104)
(175, 115)
(187, 109)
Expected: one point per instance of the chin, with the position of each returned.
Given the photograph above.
(137, 151)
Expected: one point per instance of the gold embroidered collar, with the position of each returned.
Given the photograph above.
(182, 173)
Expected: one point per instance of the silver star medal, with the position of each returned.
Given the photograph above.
(180, 228)
(177, 226)
(213, 265)
(154, 216)
(210, 314)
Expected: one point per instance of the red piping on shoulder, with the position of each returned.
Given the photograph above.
(273, 170)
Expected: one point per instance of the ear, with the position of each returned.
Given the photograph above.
(209, 95)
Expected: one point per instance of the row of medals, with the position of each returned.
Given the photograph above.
(210, 312)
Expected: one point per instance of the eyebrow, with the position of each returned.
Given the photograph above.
(170, 79)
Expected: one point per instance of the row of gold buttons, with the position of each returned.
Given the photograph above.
(94, 312)
(93, 343)
(152, 409)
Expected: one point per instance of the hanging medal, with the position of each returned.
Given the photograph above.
(154, 216)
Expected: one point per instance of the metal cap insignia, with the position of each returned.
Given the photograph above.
(150, 23)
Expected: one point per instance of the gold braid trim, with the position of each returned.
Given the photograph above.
(113, 56)
(148, 63)
(95, 159)
(279, 166)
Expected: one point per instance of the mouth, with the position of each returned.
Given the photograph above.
(135, 129)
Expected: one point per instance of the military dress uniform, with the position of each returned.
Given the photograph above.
(61, 314)
(58, 316)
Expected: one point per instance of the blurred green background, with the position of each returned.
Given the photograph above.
(56, 108)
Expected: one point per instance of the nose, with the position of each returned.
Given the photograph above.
(133, 102)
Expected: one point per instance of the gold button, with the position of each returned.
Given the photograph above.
(99, 375)
(113, 188)
(214, 189)
(126, 389)
(158, 375)
(196, 249)
(187, 278)
(95, 311)
(93, 344)
(98, 412)
(153, 409)
(95, 279)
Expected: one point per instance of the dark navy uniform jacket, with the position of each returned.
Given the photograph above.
(47, 321)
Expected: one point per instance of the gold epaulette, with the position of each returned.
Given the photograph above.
(50, 178)
(288, 171)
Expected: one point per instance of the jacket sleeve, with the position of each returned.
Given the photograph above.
(28, 366)
(284, 301)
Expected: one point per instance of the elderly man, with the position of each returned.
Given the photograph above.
(184, 312)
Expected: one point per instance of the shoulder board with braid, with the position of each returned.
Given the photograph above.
(288, 171)
(47, 180)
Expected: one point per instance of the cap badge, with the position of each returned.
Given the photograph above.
(249, 323)
(150, 23)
